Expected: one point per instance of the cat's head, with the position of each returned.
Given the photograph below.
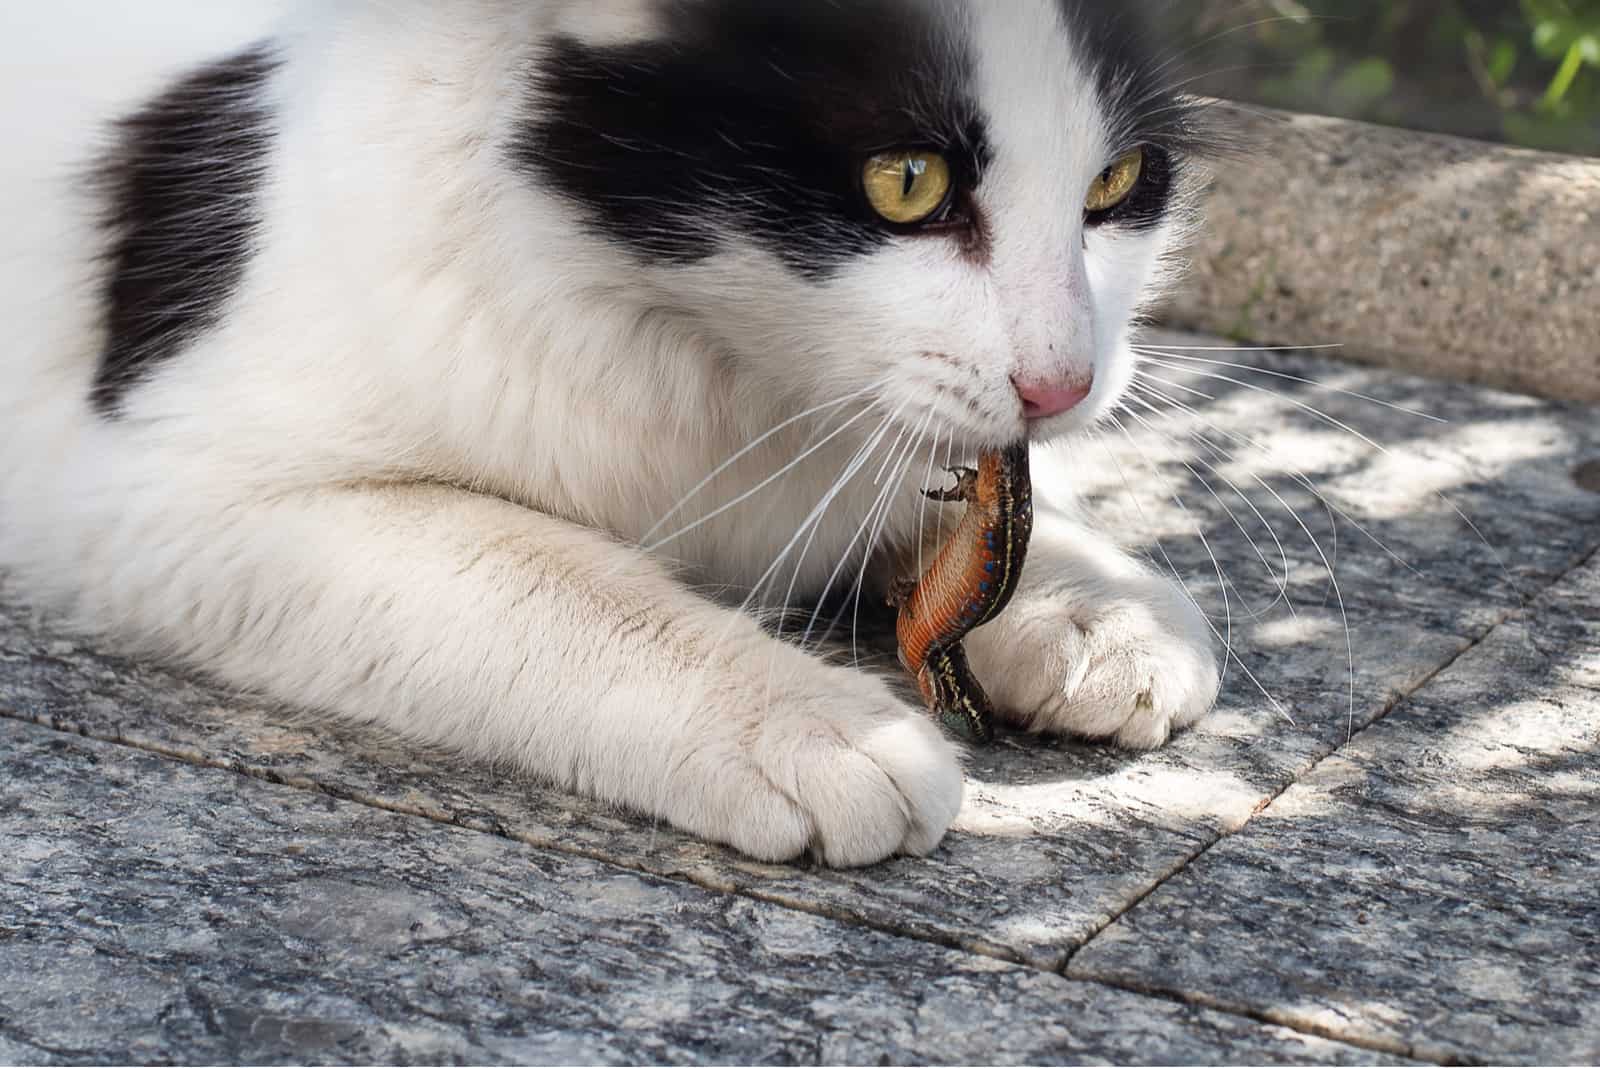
(956, 207)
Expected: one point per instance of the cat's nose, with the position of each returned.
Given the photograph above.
(1041, 400)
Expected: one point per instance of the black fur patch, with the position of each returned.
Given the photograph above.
(180, 191)
(1140, 88)
(754, 115)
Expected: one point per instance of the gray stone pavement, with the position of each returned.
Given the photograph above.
(1393, 856)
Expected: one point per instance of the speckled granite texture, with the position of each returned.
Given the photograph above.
(1434, 885)
(1405, 869)
(1431, 253)
(251, 922)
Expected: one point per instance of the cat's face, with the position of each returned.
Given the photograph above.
(954, 207)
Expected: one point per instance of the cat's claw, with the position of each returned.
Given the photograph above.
(965, 489)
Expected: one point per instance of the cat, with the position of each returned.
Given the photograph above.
(486, 370)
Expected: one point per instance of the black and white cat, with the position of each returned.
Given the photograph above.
(462, 367)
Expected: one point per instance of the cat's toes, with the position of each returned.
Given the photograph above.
(1133, 671)
(888, 785)
(850, 777)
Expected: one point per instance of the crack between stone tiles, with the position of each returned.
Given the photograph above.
(1414, 1051)
(922, 934)
(699, 879)
(1395, 702)
(11, 1034)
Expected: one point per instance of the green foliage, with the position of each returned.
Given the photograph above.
(1524, 71)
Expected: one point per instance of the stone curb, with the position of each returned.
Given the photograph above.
(1426, 253)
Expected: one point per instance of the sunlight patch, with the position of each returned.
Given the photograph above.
(1297, 630)
(1170, 796)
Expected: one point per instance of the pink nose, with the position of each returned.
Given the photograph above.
(1043, 401)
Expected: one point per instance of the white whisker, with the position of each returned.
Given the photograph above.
(1505, 569)
(838, 568)
(1281, 585)
(922, 510)
(894, 449)
(846, 556)
(877, 533)
(857, 462)
(763, 484)
(1294, 378)
(1327, 563)
(1161, 547)
(1242, 348)
(1245, 440)
(742, 453)
(1227, 637)
(1141, 373)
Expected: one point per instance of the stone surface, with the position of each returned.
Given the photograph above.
(156, 911)
(1477, 489)
(1057, 838)
(1430, 253)
(1433, 886)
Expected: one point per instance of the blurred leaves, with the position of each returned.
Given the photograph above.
(1523, 71)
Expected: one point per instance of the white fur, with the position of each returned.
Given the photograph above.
(405, 478)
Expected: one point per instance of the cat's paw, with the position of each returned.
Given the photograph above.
(842, 770)
(1133, 665)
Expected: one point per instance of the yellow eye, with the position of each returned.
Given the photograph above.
(906, 187)
(1115, 182)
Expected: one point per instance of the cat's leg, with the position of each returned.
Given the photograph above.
(1095, 644)
(534, 643)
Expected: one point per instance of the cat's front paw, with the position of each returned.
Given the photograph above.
(834, 766)
(1132, 666)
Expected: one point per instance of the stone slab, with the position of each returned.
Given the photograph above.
(1477, 488)
(1447, 519)
(155, 911)
(1430, 888)
(1057, 838)
(1427, 253)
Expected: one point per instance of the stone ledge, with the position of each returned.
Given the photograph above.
(1417, 251)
